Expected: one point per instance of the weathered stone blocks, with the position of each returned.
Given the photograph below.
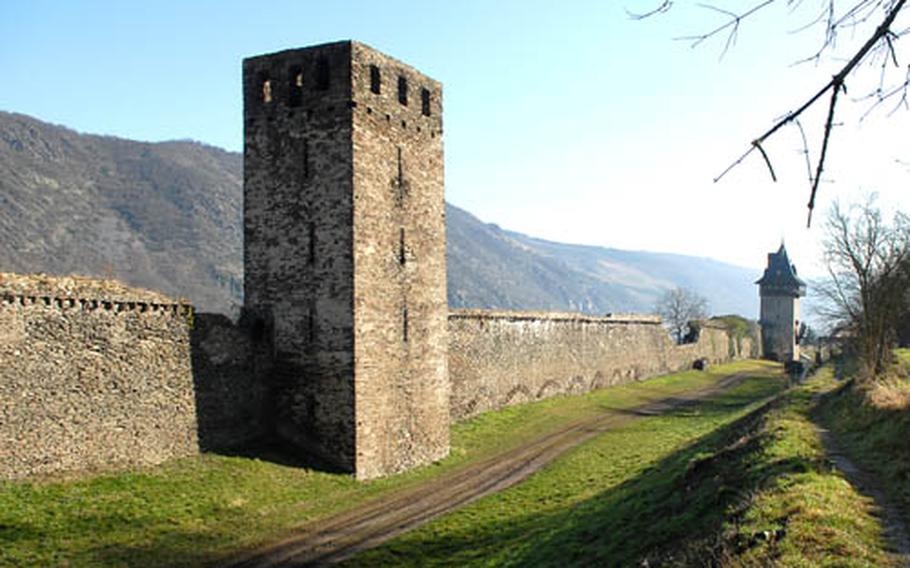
(345, 252)
(500, 358)
(89, 383)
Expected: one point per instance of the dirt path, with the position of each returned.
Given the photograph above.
(330, 540)
(893, 529)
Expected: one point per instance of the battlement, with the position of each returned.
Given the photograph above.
(87, 294)
(516, 316)
(90, 304)
(337, 79)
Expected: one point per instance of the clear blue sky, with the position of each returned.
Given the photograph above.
(564, 120)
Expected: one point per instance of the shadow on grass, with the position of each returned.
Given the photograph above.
(682, 495)
(174, 549)
(672, 512)
(235, 396)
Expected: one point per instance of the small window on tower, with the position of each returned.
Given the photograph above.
(402, 90)
(322, 74)
(404, 324)
(265, 89)
(311, 257)
(402, 254)
(295, 86)
(375, 79)
(425, 102)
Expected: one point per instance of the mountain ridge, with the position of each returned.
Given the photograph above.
(168, 216)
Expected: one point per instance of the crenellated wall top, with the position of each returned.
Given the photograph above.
(618, 318)
(78, 292)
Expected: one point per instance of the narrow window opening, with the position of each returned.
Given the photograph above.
(400, 181)
(375, 79)
(402, 90)
(425, 102)
(404, 324)
(322, 74)
(265, 89)
(402, 257)
(306, 159)
(312, 243)
(295, 86)
(311, 324)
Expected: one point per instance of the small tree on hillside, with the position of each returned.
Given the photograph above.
(678, 307)
(865, 295)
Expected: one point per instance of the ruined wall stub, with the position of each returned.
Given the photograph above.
(345, 252)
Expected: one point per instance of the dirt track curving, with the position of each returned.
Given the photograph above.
(330, 540)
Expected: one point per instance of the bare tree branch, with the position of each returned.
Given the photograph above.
(664, 7)
(732, 24)
(821, 159)
(834, 85)
(805, 150)
(868, 262)
(767, 160)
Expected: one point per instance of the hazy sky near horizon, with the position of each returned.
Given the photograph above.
(564, 120)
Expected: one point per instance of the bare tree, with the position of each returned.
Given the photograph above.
(876, 18)
(865, 295)
(678, 307)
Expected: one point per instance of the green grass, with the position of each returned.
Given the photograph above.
(872, 423)
(198, 511)
(718, 483)
(611, 501)
(800, 511)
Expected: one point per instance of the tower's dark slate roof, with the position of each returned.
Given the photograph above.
(780, 275)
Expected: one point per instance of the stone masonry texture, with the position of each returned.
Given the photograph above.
(231, 402)
(345, 253)
(498, 359)
(92, 383)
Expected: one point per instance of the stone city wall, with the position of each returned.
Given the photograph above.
(232, 403)
(92, 383)
(498, 359)
(97, 376)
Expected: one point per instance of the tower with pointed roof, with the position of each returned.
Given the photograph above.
(780, 290)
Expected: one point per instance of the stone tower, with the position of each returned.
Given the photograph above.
(344, 253)
(780, 289)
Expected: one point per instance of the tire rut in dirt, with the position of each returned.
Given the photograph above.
(344, 535)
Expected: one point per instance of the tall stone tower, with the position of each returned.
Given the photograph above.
(344, 253)
(780, 289)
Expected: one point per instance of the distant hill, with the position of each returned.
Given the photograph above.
(492, 267)
(164, 216)
(168, 216)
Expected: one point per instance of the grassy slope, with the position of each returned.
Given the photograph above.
(799, 511)
(711, 484)
(196, 511)
(872, 423)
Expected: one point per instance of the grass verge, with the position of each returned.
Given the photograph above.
(718, 483)
(872, 424)
(197, 511)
